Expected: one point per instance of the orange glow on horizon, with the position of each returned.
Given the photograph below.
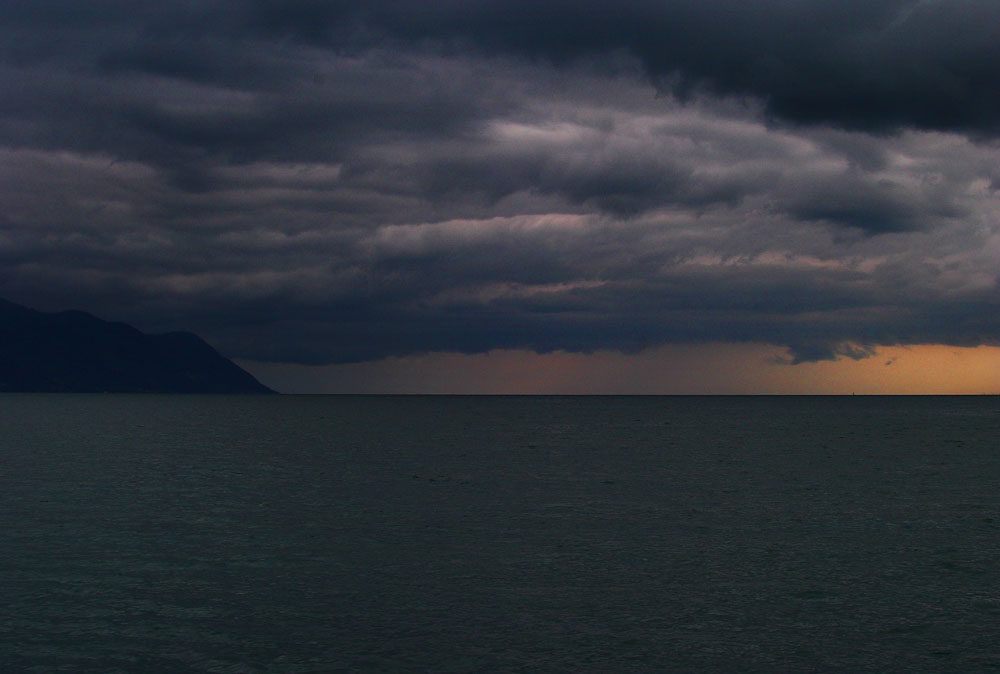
(716, 368)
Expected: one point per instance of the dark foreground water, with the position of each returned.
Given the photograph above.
(290, 534)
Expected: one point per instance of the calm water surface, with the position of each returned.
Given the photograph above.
(294, 534)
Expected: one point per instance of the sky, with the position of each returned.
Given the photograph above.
(695, 196)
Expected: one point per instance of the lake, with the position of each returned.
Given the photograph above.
(294, 534)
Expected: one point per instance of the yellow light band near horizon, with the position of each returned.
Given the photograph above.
(718, 368)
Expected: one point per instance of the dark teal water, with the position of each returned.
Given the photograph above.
(537, 534)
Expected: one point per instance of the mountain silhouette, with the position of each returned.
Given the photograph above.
(73, 351)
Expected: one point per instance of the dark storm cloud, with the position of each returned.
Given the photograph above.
(338, 181)
(874, 64)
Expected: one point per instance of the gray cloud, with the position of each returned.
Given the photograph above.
(330, 182)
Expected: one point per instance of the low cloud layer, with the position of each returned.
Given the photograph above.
(328, 182)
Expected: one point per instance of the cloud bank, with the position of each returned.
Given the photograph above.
(318, 182)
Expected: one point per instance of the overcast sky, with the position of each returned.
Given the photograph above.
(319, 183)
